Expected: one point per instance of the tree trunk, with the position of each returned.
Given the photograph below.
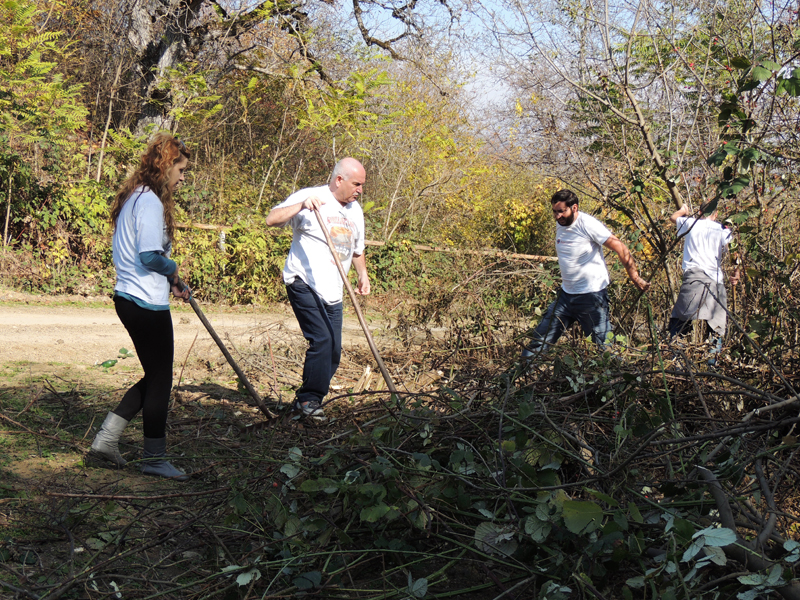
(108, 123)
(160, 34)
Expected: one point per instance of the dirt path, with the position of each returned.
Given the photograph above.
(77, 331)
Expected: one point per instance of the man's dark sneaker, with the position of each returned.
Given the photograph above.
(312, 409)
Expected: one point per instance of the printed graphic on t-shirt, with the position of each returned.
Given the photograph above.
(341, 231)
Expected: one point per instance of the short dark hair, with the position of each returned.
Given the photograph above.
(568, 197)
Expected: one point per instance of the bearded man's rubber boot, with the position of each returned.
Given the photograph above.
(106, 442)
(154, 463)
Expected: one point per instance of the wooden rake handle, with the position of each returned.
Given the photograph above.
(239, 373)
(386, 377)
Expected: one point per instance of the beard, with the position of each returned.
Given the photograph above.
(567, 221)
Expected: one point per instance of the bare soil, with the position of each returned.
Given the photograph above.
(52, 349)
(85, 332)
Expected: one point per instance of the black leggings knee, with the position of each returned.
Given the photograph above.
(152, 336)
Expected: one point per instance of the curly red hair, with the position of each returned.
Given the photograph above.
(162, 153)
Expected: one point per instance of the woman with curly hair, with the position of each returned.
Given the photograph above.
(143, 216)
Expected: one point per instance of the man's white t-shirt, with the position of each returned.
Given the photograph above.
(704, 243)
(309, 257)
(141, 228)
(580, 255)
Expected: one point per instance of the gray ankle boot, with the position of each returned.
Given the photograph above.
(106, 442)
(153, 462)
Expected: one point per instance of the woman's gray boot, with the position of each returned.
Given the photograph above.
(106, 442)
(154, 463)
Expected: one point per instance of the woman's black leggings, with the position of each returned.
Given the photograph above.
(151, 333)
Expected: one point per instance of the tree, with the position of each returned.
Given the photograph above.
(151, 38)
(38, 107)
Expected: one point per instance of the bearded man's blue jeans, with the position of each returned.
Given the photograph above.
(321, 325)
(590, 310)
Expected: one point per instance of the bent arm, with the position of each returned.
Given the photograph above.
(360, 263)
(626, 258)
(683, 211)
(279, 216)
(155, 261)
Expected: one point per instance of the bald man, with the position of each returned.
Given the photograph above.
(312, 279)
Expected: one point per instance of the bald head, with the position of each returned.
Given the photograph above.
(347, 180)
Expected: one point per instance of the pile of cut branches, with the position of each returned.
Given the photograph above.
(583, 475)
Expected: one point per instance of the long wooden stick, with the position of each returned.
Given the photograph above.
(386, 377)
(239, 373)
(8, 208)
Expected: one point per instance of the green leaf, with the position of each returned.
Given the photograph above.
(636, 583)
(424, 459)
(307, 581)
(290, 470)
(692, 550)
(752, 579)
(730, 148)
(581, 517)
(251, 575)
(731, 188)
(772, 66)
(746, 85)
(372, 514)
(230, 568)
(761, 74)
(717, 536)
(418, 588)
(717, 158)
(635, 514)
(537, 529)
(329, 486)
(684, 529)
(717, 555)
(495, 539)
(740, 62)
(775, 578)
(748, 157)
(240, 504)
(95, 544)
(526, 409)
(626, 592)
(792, 86)
(603, 497)
(554, 591)
(710, 207)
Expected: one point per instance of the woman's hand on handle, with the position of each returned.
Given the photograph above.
(178, 288)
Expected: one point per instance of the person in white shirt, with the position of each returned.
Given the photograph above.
(580, 239)
(702, 295)
(312, 279)
(143, 215)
